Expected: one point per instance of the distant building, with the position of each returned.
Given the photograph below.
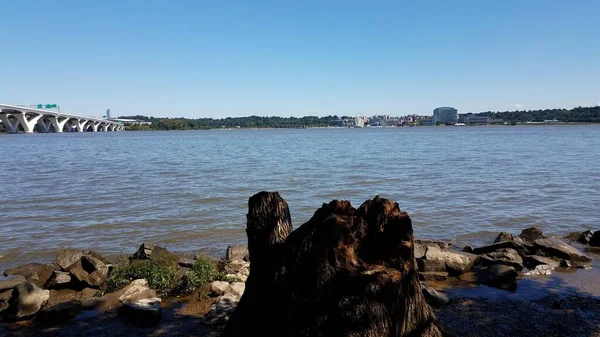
(445, 115)
(472, 119)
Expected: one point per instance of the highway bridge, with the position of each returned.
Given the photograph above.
(16, 118)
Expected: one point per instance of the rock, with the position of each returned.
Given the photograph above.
(595, 239)
(222, 310)
(566, 264)
(433, 276)
(186, 263)
(236, 266)
(89, 271)
(9, 282)
(59, 313)
(532, 261)
(156, 254)
(499, 246)
(26, 300)
(531, 234)
(499, 275)
(36, 273)
(507, 256)
(217, 288)
(468, 249)
(4, 297)
(137, 290)
(144, 252)
(237, 253)
(87, 293)
(236, 289)
(434, 297)
(144, 313)
(58, 279)
(436, 260)
(540, 269)
(559, 249)
(68, 257)
(420, 246)
(504, 236)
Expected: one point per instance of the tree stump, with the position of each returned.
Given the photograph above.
(346, 272)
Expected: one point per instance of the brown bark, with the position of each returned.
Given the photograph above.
(345, 272)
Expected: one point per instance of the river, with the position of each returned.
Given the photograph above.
(188, 190)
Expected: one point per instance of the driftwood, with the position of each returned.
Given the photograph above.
(346, 272)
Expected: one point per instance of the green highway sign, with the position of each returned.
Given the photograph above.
(47, 106)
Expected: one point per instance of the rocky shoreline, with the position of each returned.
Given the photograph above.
(76, 287)
(371, 251)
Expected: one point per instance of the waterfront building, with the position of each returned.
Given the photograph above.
(472, 119)
(445, 115)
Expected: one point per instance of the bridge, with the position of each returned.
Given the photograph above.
(14, 117)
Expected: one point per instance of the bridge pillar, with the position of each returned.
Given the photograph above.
(28, 122)
(104, 126)
(44, 125)
(58, 122)
(8, 124)
(111, 127)
(94, 125)
(80, 124)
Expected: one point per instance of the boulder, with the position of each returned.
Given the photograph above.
(36, 273)
(186, 263)
(433, 276)
(420, 246)
(26, 300)
(144, 312)
(156, 254)
(217, 288)
(4, 297)
(58, 279)
(144, 252)
(436, 260)
(236, 289)
(559, 249)
(595, 239)
(59, 313)
(434, 297)
(467, 249)
(499, 275)
(9, 282)
(89, 271)
(236, 266)
(532, 261)
(222, 310)
(539, 270)
(499, 246)
(531, 234)
(507, 256)
(68, 257)
(504, 236)
(237, 253)
(136, 291)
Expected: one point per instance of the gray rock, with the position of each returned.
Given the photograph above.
(59, 313)
(585, 237)
(144, 313)
(236, 266)
(420, 246)
(499, 275)
(507, 256)
(237, 253)
(90, 271)
(144, 252)
(504, 236)
(595, 239)
(36, 273)
(434, 297)
(136, 291)
(498, 246)
(217, 288)
(222, 310)
(68, 257)
(26, 300)
(4, 297)
(9, 282)
(236, 289)
(539, 270)
(561, 250)
(566, 264)
(531, 234)
(58, 279)
(532, 261)
(186, 263)
(433, 276)
(436, 260)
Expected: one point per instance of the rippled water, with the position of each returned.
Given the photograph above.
(188, 190)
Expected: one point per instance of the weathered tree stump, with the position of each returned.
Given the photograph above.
(345, 272)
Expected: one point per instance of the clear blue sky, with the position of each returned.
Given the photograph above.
(228, 58)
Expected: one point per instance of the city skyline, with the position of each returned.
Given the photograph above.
(199, 60)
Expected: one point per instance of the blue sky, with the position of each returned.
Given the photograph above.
(295, 58)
